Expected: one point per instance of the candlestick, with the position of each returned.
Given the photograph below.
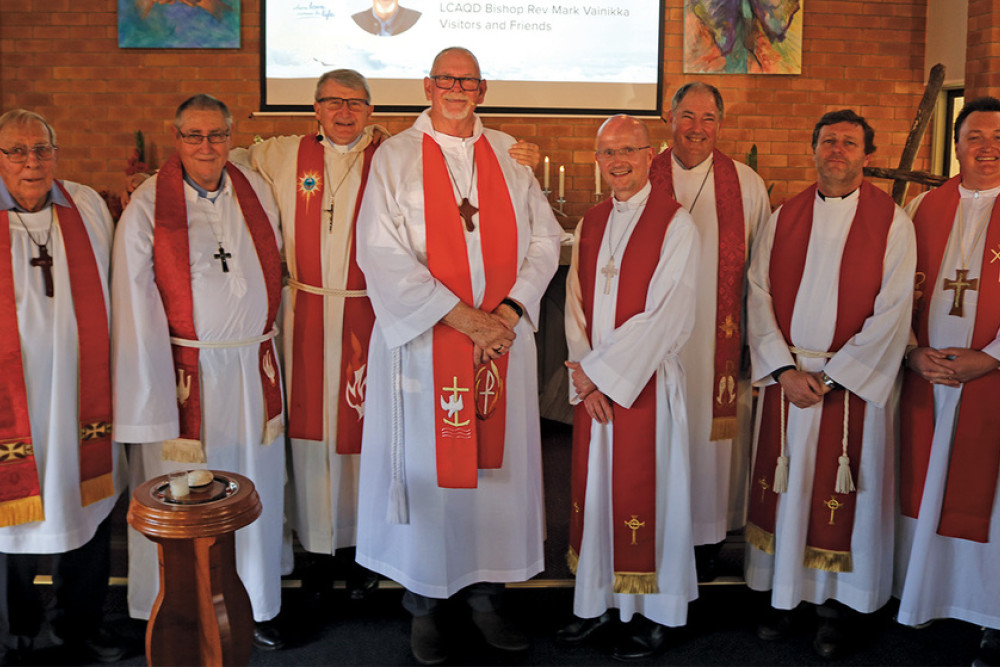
(562, 181)
(545, 174)
(597, 179)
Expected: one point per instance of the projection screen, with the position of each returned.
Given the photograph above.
(568, 58)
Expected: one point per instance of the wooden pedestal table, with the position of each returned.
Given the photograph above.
(202, 614)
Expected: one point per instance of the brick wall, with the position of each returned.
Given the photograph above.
(982, 67)
(60, 58)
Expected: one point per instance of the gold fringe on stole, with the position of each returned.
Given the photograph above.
(573, 560)
(272, 430)
(831, 561)
(636, 583)
(723, 428)
(760, 538)
(98, 488)
(183, 450)
(21, 510)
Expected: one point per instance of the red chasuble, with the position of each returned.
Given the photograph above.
(831, 517)
(306, 404)
(20, 491)
(729, 286)
(634, 428)
(975, 450)
(172, 272)
(470, 406)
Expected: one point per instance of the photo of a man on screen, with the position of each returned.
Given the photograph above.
(386, 18)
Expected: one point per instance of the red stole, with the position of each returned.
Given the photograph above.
(831, 516)
(172, 272)
(975, 450)
(462, 391)
(634, 428)
(729, 286)
(306, 404)
(20, 490)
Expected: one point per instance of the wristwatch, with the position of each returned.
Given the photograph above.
(829, 381)
(514, 306)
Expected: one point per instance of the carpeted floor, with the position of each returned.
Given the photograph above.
(334, 630)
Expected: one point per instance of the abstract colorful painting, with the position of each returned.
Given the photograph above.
(743, 36)
(179, 24)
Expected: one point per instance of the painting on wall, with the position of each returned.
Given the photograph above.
(743, 36)
(179, 24)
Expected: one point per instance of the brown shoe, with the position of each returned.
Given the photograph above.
(426, 641)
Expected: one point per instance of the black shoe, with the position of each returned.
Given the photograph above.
(639, 639)
(830, 638)
(267, 636)
(581, 628)
(777, 626)
(426, 641)
(706, 561)
(361, 582)
(498, 633)
(988, 654)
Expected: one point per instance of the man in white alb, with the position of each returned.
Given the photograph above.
(196, 289)
(949, 526)
(831, 287)
(630, 302)
(458, 245)
(728, 202)
(60, 472)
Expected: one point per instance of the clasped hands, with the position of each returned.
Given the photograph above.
(492, 334)
(803, 389)
(598, 406)
(950, 366)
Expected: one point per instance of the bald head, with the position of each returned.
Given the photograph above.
(624, 155)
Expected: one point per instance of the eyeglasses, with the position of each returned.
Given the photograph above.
(446, 82)
(337, 103)
(624, 151)
(195, 139)
(19, 154)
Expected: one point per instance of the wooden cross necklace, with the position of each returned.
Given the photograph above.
(465, 209)
(961, 283)
(44, 259)
(609, 271)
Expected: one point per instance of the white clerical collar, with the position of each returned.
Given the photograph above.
(965, 192)
(698, 168)
(635, 201)
(344, 148)
(830, 199)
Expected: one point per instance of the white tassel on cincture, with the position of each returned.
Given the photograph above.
(781, 468)
(845, 483)
(781, 475)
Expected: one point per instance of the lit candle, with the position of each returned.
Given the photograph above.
(597, 179)
(545, 174)
(562, 181)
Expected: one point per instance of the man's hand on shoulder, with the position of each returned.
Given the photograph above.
(526, 153)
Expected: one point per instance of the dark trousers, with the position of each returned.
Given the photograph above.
(80, 583)
(484, 596)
